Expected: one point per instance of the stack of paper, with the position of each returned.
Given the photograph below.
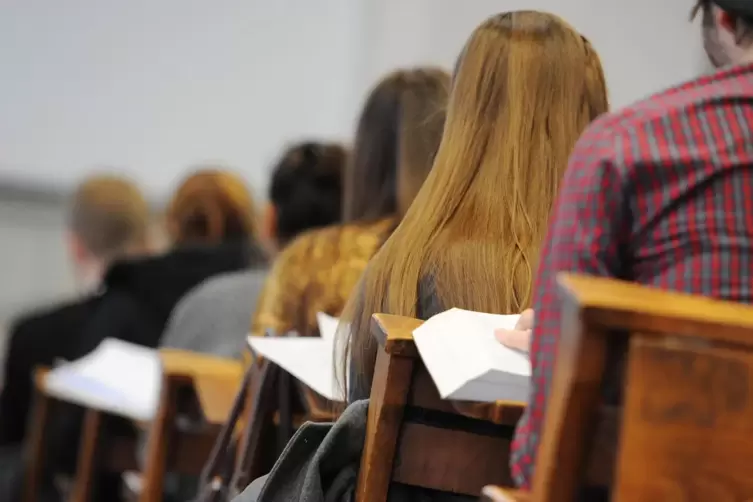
(117, 377)
(311, 360)
(466, 361)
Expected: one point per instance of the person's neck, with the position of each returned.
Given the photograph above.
(89, 277)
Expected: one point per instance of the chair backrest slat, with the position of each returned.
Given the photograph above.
(416, 438)
(681, 425)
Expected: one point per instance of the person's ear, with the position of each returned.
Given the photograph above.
(76, 249)
(727, 21)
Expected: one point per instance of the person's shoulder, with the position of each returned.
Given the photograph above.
(39, 326)
(616, 132)
(224, 285)
(60, 314)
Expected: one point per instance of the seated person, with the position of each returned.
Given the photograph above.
(318, 270)
(212, 229)
(472, 235)
(305, 193)
(674, 213)
(211, 226)
(108, 220)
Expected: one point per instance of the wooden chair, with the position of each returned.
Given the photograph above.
(215, 382)
(276, 406)
(120, 453)
(35, 445)
(193, 384)
(686, 411)
(416, 438)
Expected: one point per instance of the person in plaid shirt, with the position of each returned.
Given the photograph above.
(660, 193)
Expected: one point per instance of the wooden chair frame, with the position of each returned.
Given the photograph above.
(660, 328)
(211, 379)
(416, 438)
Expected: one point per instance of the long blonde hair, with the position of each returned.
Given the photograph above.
(526, 86)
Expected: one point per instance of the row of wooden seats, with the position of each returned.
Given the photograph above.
(681, 432)
(210, 385)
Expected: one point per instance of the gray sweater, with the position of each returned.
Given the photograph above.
(214, 318)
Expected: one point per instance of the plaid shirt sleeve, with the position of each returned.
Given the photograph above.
(584, 236)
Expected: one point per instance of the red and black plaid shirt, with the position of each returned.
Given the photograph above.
(660, 193)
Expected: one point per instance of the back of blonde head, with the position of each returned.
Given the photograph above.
(526, 86)
(110, 216)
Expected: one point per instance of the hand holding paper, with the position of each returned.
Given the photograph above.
(519, 337)
(465, 360)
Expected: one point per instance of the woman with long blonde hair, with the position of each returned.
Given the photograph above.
(526, 85)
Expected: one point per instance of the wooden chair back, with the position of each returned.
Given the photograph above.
(416, 438)
(276, 406)
(213, 382)
(34, 447)
(193, 384)
(684, 422)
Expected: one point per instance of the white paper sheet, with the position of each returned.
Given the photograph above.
(467, 362)
(117, 377)
(309, 359)
(327, 325)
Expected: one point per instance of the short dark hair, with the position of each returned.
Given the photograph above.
(307, 188)
(743, 25)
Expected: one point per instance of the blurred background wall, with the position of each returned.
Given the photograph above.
(152, 87)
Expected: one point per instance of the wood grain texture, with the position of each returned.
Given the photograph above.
(612, 304)
(687, 424)
(389, 394)
(395, 333)
(216, 395)
(683, 431)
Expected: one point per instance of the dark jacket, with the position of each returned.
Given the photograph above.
(139, 295)
(36, 339)
(321, 462)
(136, 303)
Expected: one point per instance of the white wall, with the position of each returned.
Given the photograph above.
(153, 86)
(645, 45)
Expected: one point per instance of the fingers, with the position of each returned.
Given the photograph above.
(526, 320)
(514, 338)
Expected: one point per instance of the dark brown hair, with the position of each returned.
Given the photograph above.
(307, 188)
(401, 122)
(209, 207)
(743, 25)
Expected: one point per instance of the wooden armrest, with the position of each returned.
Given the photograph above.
(395, 333)
(497, 494)
(615, 304)
(176, 362)
(216, 395)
